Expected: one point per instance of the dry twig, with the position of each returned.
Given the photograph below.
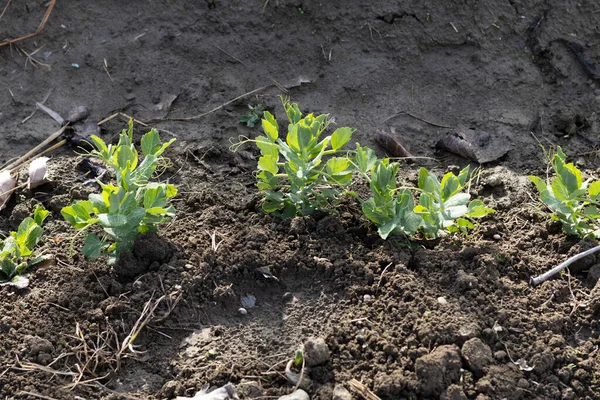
(362, 390)
(29, 36)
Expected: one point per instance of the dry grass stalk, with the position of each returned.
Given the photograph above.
(39, 29)
(362, 390)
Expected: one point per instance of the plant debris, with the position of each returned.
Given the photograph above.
(391, 144)
(38, 172)
(473, 145)
(7, 185)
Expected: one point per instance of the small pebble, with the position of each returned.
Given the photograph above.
(442, 300)
(367, 297)
(243, 311)
(497, 237)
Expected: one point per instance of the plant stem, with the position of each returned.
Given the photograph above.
(547, 275)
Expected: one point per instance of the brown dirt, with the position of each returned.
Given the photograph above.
(376, 304)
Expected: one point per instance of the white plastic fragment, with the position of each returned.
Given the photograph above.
(7, 184)
(522, 364)
(223, 393)
(37, 172)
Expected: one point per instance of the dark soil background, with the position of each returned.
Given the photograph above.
(407, 319)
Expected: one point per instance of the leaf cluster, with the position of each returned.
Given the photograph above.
(574, 201)
(292, 173)
(304, 173)
(253, 116)
(133, 205)
(441, 207)
(17, 248)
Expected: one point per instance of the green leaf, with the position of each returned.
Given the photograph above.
(155, 196)
(40, 214)
(339, 168)
(463, 175)
(266, 147)
(364, 158)
(170, 191)
(112, 220)
(459, 199)
(427, 182)
(340, 137)
(449, 186)
(270, 126)
(92, 246)
(99, 144)
(268, 163)
(126, 158)
(478, 209)
(559, 189)
(594, 189)
(150, 142)
(539, 183)
(293, 112)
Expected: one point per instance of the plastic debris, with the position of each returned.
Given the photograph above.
(223, 393)
(37, 172)
(7, 184)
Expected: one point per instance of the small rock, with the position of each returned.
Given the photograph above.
(248, 301)
(367, 298)
(243, 311)
(497, 236)
(341, 393)
(477, 355)
(316, 352)
(442, 300)
(297, 395)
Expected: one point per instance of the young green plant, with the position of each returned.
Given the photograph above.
(134, 205)
(17, 253)
(442, 206)
(253, 116)
(573, 201)
(293, 174)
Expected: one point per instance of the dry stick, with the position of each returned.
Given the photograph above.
(547, 275)
(35, 150)
(39, 396)
(121, 114)
(5, 8)
(39, 30)
(362, 390)
(235, 58)
(416, 117)
(221, 106)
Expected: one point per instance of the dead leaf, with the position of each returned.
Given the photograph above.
(478, 146)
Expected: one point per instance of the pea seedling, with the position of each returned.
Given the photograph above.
(132, 206)
(573, 201)
(292, 174)
(17, 250)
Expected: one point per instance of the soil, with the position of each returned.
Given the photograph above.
(456, 319)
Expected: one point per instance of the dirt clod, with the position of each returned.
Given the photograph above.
(437, 370)
(478, 355)
(316, 352)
